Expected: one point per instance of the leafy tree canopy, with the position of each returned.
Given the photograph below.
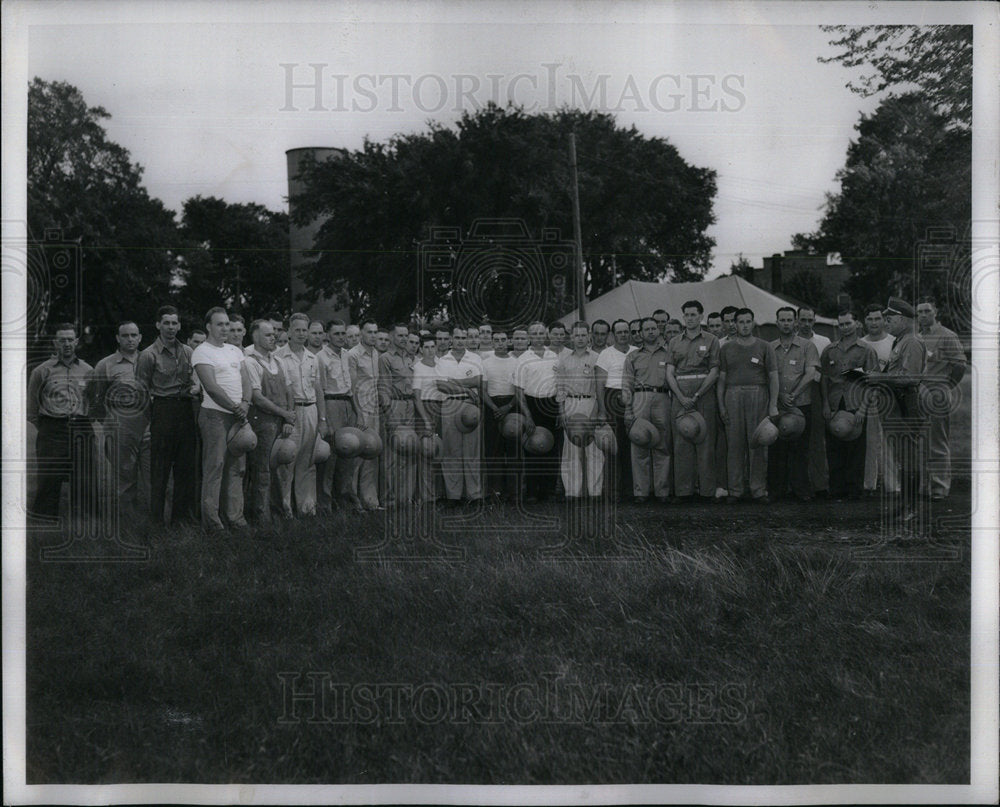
(644, 210)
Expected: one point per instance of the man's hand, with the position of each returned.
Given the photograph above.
(772, 411)
(724, 414)
(688, 402)
(502, 411)
(241, 411)
(787, 400)
(194, 390)
(827, 413)
(286, 430)
(626, 396)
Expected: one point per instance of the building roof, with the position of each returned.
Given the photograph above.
(634, 298)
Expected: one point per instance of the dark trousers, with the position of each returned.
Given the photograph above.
(846, 462)
(619, 472)
(501, 453)
(540, 480)
(788, 463)
(172, 447)
(65, 452)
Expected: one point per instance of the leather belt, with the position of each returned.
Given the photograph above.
(574, 395)
(305, 403)
(645, 388)
(698, 375)
(340, 396)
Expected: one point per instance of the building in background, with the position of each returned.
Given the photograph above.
(818, 278)
(300, 239)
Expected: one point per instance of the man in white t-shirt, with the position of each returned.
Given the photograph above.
(608, 381)
(535, 387)
(225, 403)
(819, 473)
(498, 370)
(461, 380)
(876, 468)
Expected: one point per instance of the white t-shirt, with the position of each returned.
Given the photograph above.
(499, 374)
(226, 361)
(612, 361)
(882, 348)
(424, 379)
(535, 374)
(820, 341)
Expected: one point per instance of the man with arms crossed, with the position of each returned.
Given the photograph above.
(225, 403)
(747, 393)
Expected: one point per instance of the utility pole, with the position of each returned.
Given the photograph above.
(577, 238)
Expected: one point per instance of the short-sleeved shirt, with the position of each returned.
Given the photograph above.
(499, 373)
(575, 374)
(646, 367)
(425, 381)
(837, 359)
(334, 378)
(882, 348)
(535, 374)
(301, 372)
(944, 350)
(362, 367)
(908, 357)
(226, 361)
(167, 372)
(693, 355)
(747, 365)
(612, 361)
(59, 389)
(460, 369)
(794, 361)
(395, 376)
(116, 392)
(254, 364)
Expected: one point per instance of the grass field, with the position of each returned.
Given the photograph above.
(743, 645)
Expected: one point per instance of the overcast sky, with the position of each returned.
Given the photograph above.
(206, 108)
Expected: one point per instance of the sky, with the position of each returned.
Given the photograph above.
(210, 107)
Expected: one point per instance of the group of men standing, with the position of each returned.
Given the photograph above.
(166, 416)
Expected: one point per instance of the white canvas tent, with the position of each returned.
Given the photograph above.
(636, 299)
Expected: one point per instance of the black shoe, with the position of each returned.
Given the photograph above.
(639, 500)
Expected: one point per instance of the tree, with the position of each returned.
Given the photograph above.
(238, 258)
(907, 177)
(644, 209)
(935, 58)
(741, 268)
(86, 190)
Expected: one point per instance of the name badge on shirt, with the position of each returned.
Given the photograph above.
(792, 362)
(754, 360)
(662, 363)
(930, 353)
(468, 372)
(702, 348)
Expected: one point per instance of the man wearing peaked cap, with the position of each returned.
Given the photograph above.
(905, 422)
